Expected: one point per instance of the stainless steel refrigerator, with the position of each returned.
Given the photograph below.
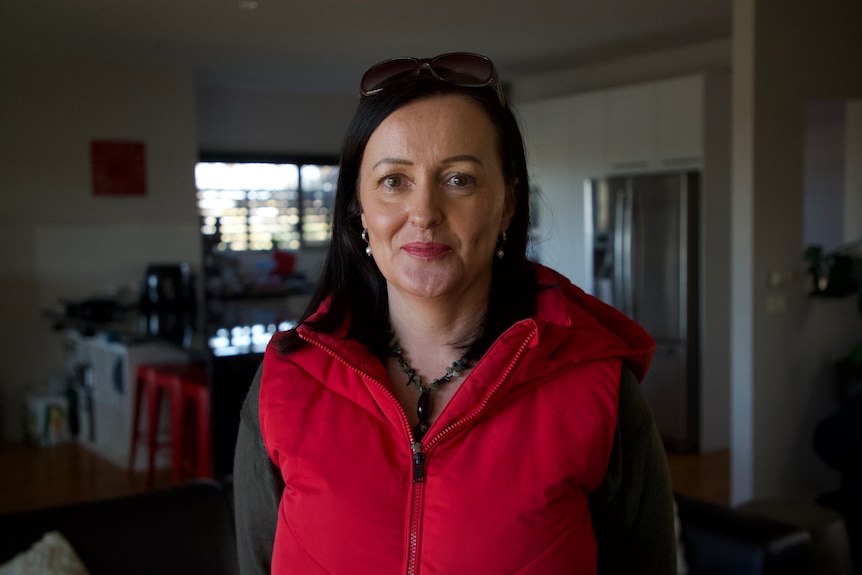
(645, 246)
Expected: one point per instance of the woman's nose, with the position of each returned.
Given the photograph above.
(426, 206)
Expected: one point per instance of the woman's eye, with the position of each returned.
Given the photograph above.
(460, 180)
(392, 181)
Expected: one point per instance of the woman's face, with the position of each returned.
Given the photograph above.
(433, 197)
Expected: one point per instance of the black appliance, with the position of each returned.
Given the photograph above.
(167, 287)
(168, 303)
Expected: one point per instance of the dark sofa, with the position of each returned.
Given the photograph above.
(182, 530)
(719, 540)
(189, 529)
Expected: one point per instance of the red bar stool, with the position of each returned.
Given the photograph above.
(146, 380)
(184, 385)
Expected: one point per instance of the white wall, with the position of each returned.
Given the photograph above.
(823, 159)
(786, 52)
(853, 171)
(58, 240)
(715, 268)
(559, 165)
(61, 242)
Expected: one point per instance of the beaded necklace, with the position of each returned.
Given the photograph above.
(423, 406)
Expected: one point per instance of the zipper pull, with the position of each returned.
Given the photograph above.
(418, 463)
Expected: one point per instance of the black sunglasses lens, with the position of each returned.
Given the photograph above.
(458, 68)
(380, 73)
(464, 69)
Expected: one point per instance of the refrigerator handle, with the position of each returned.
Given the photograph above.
(627, 262)
(619, 289)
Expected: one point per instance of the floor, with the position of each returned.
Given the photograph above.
(703, 475)
(34, 477)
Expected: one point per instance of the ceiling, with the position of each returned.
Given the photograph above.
(325, 45)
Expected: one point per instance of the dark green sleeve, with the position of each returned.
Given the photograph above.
(632, 511)
(258, 486)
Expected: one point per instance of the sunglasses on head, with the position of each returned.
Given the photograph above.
(457, 68)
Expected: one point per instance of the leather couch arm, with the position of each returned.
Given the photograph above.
(719, 540)
(184, 529)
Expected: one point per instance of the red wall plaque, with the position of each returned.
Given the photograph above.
(119, 168)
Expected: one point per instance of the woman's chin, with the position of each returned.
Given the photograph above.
(434, 282)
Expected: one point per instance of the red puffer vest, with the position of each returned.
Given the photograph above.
(500, 481)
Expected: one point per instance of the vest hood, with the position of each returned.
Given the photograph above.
(595, 329)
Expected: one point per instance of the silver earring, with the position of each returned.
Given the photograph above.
(500, 253)
(364, 236)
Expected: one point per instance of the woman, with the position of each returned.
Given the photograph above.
(445, 405)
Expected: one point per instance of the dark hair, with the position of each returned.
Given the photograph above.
(351, 280)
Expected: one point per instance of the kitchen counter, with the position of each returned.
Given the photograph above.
(230, 335)
(220, 327)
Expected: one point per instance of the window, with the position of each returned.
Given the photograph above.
(259, 206)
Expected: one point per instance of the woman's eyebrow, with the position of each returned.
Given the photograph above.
(449, 160)
(392, 161)
(463, 158)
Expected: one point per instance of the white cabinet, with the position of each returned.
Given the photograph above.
(680, 121)
(655, 126)
(631, 127)
(106, 392)
(588, 135)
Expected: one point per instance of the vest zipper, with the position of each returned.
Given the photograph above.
(419, 457)
(418, 462)
(418, 454)
(415, 514)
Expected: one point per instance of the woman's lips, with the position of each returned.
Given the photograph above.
(426, 249)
